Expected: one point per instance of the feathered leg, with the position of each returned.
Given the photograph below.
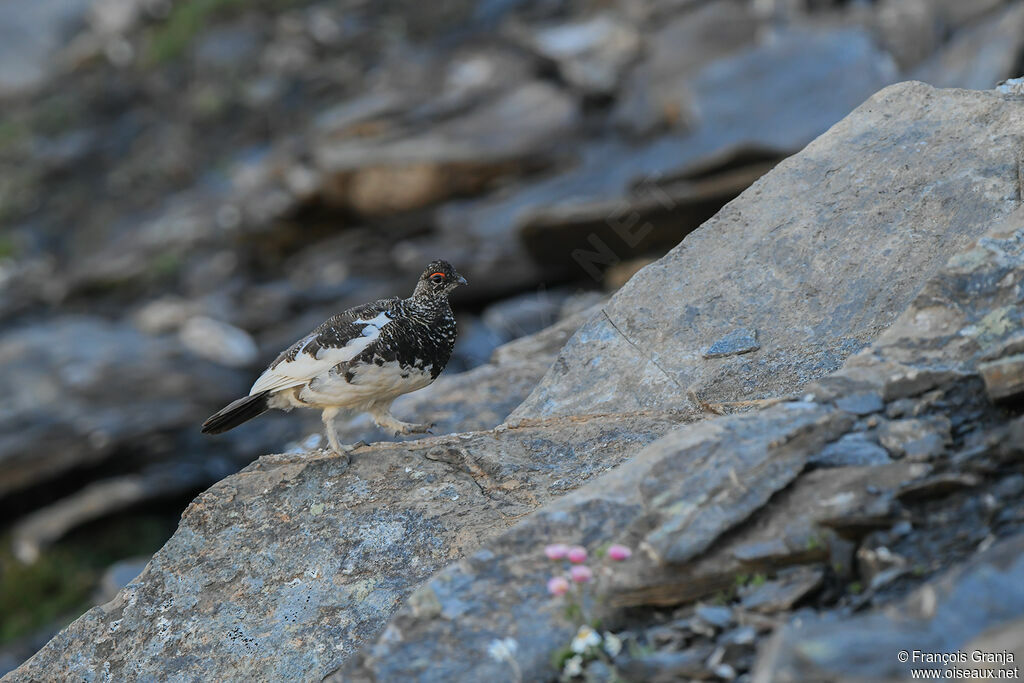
(332, 434)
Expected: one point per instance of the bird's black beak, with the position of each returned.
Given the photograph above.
(461, 281)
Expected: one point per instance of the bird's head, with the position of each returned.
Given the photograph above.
(438, 279)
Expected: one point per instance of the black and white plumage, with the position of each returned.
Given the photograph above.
(362, 360)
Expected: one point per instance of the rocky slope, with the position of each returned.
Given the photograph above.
(763, 493)
(187, 186)
(878, 274)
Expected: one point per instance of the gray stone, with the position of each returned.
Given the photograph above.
(332, 549)
(734, 343)
(939, 338)
(656, 93)
(823, 76)
(524, 314)
(652, 216)
(916, 438)
(219, 342)
(1004, 378)
(942, 616)
(712, 496)
(512, 134)
(643, 349)
(592, 53)
(851, 450)
(781, 594)
(1012, 86)
(716, 615)
(666, 666)
(937, 486)
(31, 34)
(80, 387)
(861, 404)
(979, 56)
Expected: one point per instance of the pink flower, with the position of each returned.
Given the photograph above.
(556, 551)
(619, 552)
(581, 573)
(577, 554)
(557, 585)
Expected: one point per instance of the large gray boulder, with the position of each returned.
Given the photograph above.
(815, 259)
(710, 503)
(284, 570)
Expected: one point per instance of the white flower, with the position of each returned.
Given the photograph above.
(585, 638)
(573, 666)
(503, 649)
(612, 644)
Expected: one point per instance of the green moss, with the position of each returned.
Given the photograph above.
(752, 580)
(13, 133)
(189, 17)
(7, 248)
(166, 264)
(55, 115)
(31, 597)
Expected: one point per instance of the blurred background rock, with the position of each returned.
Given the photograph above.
(186, 186)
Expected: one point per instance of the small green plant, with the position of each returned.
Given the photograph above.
(189, 17)
(750, 580)
(7, 249)
(59, 585)
(185, 22)
(725, 596)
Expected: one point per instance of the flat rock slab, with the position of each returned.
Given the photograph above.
(283, 570)
(734, 343)
(809, 255)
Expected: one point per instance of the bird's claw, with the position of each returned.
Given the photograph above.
(412, 428)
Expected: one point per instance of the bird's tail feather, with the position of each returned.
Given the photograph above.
(236, 412)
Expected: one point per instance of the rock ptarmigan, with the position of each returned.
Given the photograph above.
(362, 360)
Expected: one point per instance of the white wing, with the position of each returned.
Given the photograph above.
(305, 366)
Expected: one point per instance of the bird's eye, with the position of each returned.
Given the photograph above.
(437, 278)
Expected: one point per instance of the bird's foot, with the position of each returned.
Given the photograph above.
(405, 428)
(345, 450)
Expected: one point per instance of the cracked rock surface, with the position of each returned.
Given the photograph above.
(288, 567)
(820, 255)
